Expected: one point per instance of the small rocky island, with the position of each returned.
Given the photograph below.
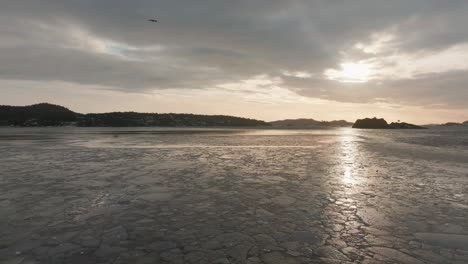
(380, 123)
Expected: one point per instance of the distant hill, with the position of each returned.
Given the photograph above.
(452, 124)
(449, 124)
(36, 115)
(54, 115)
(380, 123)
(455, 124)
(126, 119)
(304, 123)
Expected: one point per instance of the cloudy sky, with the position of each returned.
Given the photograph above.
(275, 59)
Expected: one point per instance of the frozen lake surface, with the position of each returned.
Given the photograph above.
(147, 195)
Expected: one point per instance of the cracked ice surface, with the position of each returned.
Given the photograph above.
(111, 195)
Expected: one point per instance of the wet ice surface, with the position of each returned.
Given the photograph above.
(232, 196)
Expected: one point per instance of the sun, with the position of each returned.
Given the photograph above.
(350, 72)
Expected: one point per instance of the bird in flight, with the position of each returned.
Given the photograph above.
(152, 20)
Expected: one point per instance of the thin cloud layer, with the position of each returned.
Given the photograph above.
(400, 52)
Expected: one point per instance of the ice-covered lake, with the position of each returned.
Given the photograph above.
(152, 195)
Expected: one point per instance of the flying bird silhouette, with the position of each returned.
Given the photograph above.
(152, 20)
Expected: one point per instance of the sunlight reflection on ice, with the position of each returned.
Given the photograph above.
(348, 159)
(348, 178)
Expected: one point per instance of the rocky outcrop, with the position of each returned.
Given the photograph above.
(380, 123)
(371, 123)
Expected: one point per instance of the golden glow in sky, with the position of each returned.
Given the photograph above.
(350, 72)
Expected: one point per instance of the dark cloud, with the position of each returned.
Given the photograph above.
(200, 44)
